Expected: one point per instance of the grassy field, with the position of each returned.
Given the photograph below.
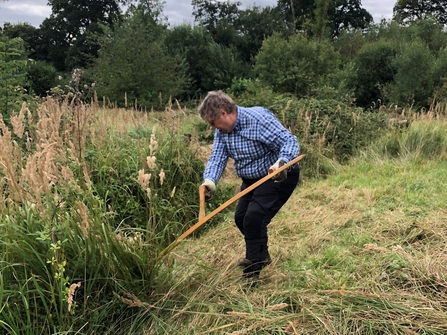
(91, 196)
(363, 252)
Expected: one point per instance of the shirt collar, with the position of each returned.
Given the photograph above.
(237, 125)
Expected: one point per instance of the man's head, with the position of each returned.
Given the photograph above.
(219, 110)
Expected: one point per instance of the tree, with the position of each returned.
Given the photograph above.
(413, 81)
(218, 17)
(210, 65)
(310, 15)
(41, 77)
(294, 65)
(70, 30)
(134, 61)
(428, 30)
(255, 24)
(28, 33)
(296, 13)
(192, 44)
(373, 70)
(347, 14)
(412, 10)
(12, 75)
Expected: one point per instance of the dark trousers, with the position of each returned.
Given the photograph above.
(256, 209)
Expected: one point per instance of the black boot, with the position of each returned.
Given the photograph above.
(256, 258)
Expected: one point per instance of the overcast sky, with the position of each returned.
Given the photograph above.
(177, 11)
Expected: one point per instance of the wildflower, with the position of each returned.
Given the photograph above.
(71, 293)
(173, 192)
(151, 161)
(148, 192)
(17, 121)
(144, 178)
(162, 176)
(153, 146)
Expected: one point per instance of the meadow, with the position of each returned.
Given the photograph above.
(91, 196)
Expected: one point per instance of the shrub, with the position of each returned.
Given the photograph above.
(294, 65)
(334, 129)
(413, 81)
(42, 77)
(373, 69)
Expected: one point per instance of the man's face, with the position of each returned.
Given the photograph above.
(224, 121)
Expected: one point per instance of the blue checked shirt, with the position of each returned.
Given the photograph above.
(256, 142)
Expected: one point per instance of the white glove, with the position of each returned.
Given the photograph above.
(280, 177)
(210, 188)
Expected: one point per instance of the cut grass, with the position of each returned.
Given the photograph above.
(362, 252)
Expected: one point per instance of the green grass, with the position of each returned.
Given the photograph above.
(361, 251)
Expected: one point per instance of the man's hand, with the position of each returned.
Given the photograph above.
(210, 188)
(280, 177)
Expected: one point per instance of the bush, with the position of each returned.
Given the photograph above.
(294, 65)
(85, 211)
(373, 69)
(41, 77)
(326, 128)
(413, 81)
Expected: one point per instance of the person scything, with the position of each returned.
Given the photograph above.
(259, 145)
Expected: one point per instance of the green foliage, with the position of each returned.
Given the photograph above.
(373, 69)
(413, 81)
(423, 140)
(243, 29)
(349, 43)
(342, 128)
(325, 127)
(423, 39)
(60, 273)
(408, 10)
(28, 33)
(209, 65)
(218, 17)
(191, 44)
(42, 77)
(255, 24)
(168, 203)
(12, 75)
(428, 30)
(133, 62)
(313, 16)
(73, 259)
(347, 15)
(294, 65)
(68, 34)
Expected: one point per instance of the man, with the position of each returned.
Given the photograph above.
(259, 145)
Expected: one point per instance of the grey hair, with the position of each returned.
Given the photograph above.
(214, 101)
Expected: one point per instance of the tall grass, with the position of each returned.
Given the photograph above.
(90, 196)
(362, 252)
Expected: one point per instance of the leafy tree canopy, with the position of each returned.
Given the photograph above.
(209, 12)
(339, 14)
(134, 62)
(219, 17)
(70, 30)
(254, 25)
(411, 10)
(294, 65)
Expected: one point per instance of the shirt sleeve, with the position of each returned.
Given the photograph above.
(218, 160)
(279, 139)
